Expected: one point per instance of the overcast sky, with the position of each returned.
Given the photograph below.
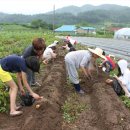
(42, 6)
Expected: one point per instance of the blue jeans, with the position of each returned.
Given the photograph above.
(30, 76)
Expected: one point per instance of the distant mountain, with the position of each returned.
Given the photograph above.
(69, 9)
(75, 10)
(75, 15)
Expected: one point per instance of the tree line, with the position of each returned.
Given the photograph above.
(92, 17)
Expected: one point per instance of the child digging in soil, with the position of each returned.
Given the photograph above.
(49, 54)
(17, 64)
(68, 46)
(108, 64)
(72, 41)
(35, 49)
(81, 59)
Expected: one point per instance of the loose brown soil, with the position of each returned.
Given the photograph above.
(105, 111)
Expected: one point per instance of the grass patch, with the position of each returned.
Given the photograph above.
(72, 108)
(126, 101)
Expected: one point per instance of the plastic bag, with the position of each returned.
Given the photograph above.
(27, 99)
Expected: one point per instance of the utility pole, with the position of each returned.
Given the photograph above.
(54, 18)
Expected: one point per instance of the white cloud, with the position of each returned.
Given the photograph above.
(42, 6)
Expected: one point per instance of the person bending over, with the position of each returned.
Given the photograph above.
(17, 64)
(81, 59)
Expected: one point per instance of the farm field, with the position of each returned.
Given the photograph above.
(101, 109)
(119, 48)
(98, 109)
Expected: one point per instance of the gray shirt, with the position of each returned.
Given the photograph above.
(80, 58)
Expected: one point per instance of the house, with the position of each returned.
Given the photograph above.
(71, 29)
(86, 30)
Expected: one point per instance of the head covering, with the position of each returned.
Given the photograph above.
(56, 42)
(32, 63)
(123, 65)
(98, 52)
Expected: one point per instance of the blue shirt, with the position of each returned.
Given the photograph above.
(13, 64)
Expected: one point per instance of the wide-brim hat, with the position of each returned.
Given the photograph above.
(33, 63)
(97, 51)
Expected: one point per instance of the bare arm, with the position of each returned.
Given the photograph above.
(36, 96)
(87, 72)
(19, 78)
(84, 70)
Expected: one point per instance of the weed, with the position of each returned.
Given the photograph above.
(126, 101)
(72, 108)
(4, 98)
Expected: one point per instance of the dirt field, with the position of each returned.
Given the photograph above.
(105, 111)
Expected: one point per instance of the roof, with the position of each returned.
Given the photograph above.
(88, 28)
(123, 31)
(66, 28)
(113, 29)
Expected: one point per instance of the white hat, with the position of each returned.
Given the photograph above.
(98, 52)
(56, 42)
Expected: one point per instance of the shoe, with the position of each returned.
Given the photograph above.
(16, 113)
(36, 83)
(81, 92)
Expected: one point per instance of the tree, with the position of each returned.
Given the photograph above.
(36, 23)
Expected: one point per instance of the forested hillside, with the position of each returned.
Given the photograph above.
(109, 13)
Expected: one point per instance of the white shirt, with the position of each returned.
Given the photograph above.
(48, 53)
(80, 58)
(125, 78)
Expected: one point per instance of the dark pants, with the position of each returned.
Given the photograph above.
(30, 76)
(77, 87)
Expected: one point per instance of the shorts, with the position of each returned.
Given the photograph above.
(4, 75)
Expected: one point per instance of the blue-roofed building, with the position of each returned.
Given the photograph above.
(71, 29)
(85, 30)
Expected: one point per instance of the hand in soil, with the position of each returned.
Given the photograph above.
(89, 77)
(36, 96)
(109, 81)
(44, 100)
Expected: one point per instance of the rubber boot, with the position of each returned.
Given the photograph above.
(77, 87)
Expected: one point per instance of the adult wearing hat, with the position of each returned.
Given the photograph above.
(81, 59)
(17, 64)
